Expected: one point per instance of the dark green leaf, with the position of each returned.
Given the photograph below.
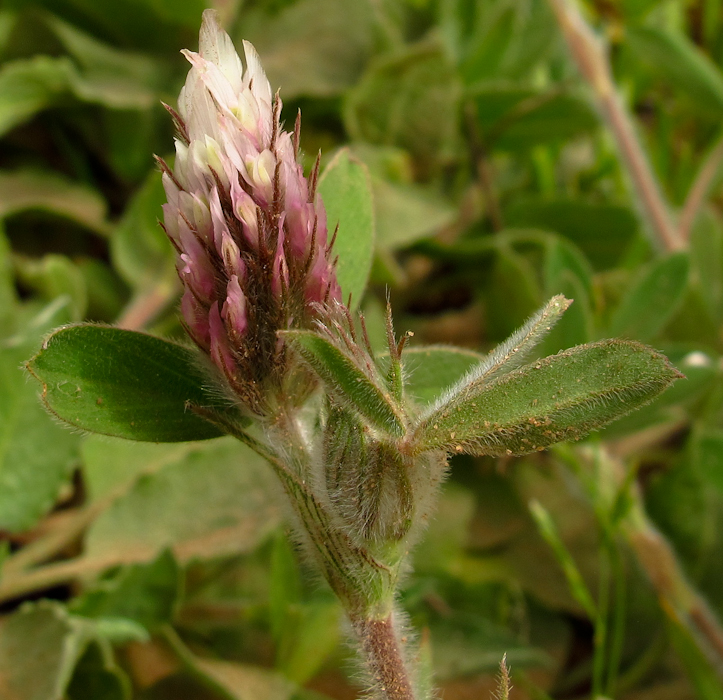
(514, 119)
(105, 291)
(562, 397)
(346, 382)
(563, 258)
(706, 262)
(601, 231)
(513, 292)
(284, 585)
(680, 62)
(567, 272)
(345, 188)
(470, 644)
(433, 369)
(653, 300)
(501, 40)
(315, 637)
(708, 456)
(127, 384)
(231, 680)
(97, 676)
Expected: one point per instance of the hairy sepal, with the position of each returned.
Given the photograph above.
(348, 383)
(514, 351)
(562, 397)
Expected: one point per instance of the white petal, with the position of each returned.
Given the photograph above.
(256, 76)
(216, 46)
(214, 80)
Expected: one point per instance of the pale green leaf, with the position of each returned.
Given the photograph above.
(39, 648)
(312, 47)
(114, 78)
(409, 99)
(346, 191)
(217, 500)
(406, 213)
(37, 456)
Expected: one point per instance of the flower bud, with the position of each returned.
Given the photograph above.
(367, 481)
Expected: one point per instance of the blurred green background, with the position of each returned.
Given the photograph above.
(164, 571)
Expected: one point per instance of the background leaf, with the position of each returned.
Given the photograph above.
(653, 299)
(345, 188)
(33, 189)
(31, 476)
(217, 500)
(29, 86)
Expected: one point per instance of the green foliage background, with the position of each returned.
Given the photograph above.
(164, 570)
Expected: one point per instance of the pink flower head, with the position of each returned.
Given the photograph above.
(249, 229)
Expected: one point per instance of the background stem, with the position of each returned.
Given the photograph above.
(699, 189)
(592, 63)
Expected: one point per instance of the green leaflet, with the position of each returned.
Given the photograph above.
(562, 397)
(126, 384)
(347, 382)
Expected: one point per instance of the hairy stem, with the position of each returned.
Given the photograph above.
(593, 65)
(382, 649)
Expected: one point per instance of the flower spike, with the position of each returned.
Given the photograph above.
(250, 231)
